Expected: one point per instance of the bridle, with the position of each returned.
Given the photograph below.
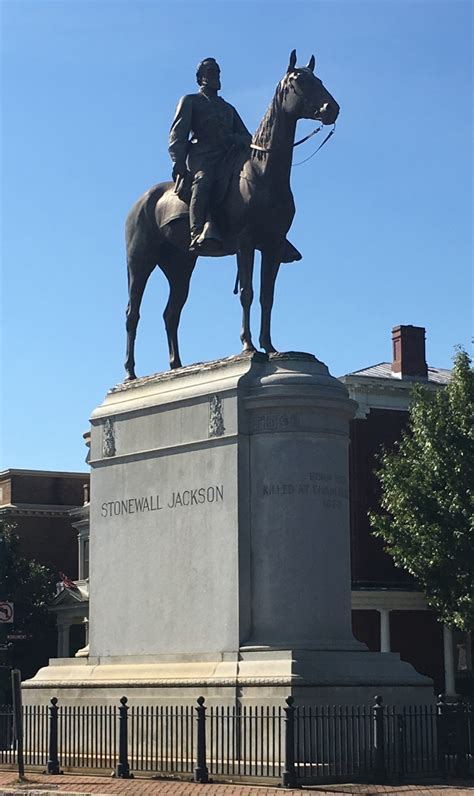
(301, 141)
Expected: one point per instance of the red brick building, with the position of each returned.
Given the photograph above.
(389, 611)
(39, 503)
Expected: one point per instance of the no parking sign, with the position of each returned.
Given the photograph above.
(6, 613)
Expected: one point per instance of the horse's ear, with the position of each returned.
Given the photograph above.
(311, 63)
(292, 63)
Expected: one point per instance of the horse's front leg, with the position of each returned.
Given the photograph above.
(178, 268)
(270, 266)
(245, 258)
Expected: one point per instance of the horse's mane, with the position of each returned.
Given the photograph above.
(263, 134)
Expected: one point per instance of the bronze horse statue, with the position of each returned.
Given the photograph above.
(255, 214)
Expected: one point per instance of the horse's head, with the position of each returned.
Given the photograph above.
(304, 95)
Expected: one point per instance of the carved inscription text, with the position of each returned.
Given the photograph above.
(157, 502)
(273, 422)
(331, 489)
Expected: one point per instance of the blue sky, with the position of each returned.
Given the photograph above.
(383, 211)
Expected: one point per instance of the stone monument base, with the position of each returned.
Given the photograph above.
(257, 677)
(220, 558)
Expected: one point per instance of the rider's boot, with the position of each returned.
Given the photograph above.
(207, 240)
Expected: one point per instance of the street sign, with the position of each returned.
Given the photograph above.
(6, 613)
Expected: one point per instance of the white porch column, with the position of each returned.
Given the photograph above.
(384, 629)
(63, 641)
(80, 567)
(449, 676)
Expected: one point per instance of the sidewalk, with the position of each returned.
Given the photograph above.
(79, 785)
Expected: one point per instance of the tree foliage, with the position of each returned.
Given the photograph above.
(29, 585)
(427, 496)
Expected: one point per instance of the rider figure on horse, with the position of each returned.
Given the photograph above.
(205, 132)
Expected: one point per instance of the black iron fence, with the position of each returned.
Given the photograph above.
(290, 744)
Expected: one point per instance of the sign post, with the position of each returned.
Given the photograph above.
(18, 719)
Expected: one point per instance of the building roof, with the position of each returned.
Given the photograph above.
(43, 473)
(384, 371)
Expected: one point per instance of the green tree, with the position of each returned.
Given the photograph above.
(31, 587)
(427, 496)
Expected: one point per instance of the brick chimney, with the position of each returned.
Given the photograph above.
(409, 352)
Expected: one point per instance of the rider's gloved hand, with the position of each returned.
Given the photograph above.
(179, 170)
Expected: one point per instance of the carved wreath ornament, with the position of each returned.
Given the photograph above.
(108, 440)
(216, 417)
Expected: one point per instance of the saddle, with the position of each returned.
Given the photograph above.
(171, 207)
(174, 205)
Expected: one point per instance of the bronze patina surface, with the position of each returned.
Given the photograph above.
(230, 195)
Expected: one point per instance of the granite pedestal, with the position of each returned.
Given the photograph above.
(220, 561)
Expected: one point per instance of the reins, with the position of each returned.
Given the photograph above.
(297, 143)
(331, 132)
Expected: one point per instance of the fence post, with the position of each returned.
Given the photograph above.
(201, 772)
(442, 733)
(379, 740)
(123, 768)
(462, 740)
(53, 760)
(289, 774)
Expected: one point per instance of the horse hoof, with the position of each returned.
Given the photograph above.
(130, 376)
(269, 349)
(248, 348)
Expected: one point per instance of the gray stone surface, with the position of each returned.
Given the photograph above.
(228, 539)
(220, 558)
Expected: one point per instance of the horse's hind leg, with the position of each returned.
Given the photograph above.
(178, 268)
(269, 273)
(139, 269)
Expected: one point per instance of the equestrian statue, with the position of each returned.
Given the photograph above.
(230, 194)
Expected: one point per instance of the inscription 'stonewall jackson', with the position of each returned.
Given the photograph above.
(184, 498)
